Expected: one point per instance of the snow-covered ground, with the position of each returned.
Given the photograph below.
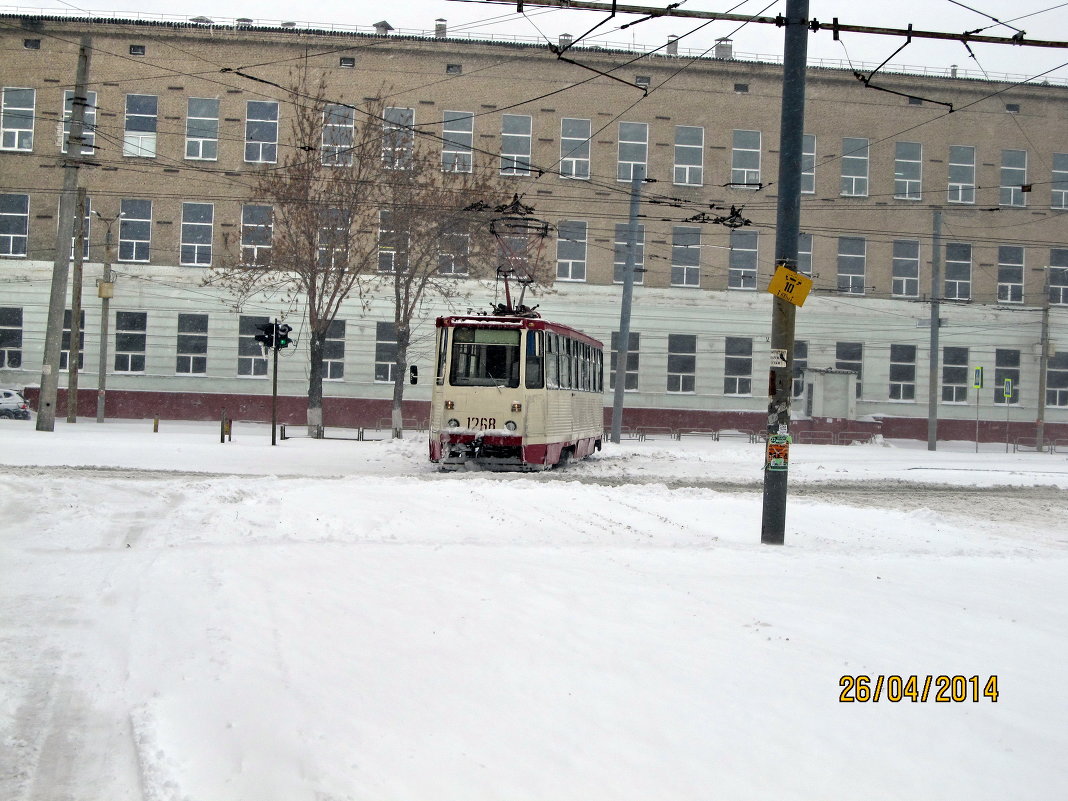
(335, 620)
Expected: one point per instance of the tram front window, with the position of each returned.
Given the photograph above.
(485, 357)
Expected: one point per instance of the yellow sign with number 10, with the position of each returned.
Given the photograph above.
(790, 285)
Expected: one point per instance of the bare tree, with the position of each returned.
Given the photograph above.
(308, 233)
(435, 232)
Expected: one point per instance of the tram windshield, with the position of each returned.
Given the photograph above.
(485, 357)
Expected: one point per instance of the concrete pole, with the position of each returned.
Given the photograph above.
(623, 350)
(74, 352)
(1043, 366)
(71, 162)
(787, 230)
(936, 293)
(105, 290)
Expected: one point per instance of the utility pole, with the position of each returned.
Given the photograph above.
(74, 350)
(623, 348)
(105, 290)
(932, 379)
(1043, 366)
(787, 231)
(46, 407)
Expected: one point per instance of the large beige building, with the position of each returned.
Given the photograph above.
(183, 116)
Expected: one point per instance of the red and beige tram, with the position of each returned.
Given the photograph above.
(514, 392)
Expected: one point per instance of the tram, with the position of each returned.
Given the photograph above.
(514, 392)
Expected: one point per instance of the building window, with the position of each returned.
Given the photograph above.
(630, 373)
(137, 50)
(742, 262)
(1057, 379)
(333, 238)
(642, 80)
(347, 62)
(689, 155)
(854, 167)
(906, 269)
(685, 256)
(385, 352)
(1006, 368)
(457, 141)
(955, 375)
(575, 148)
(251, 360)
(14, 224)
(1013, 178)
(454, 69)
(961, 174)
(745, 160)
(192, 345)
(619, 261)
(903, 372)
(454, 254)
(130, 336)
(571, 251)
(257, 234)
(135, 230)
(261, 132)
(334, 351)
(197, 221)
(339, 131)
(392, 244)
(139, 137)
(800, 365)
(1010, 274)
(398, 138)
(1059, 182)
(682, 362)
(908, 169)
(1058, 276)
(16, 118)
(64, 347)
(633, 150)
(808, 165)
(741, 88)
(202, 129)
(804, 254)
(1012, 108)
(852, 252)
(31, 44)
(88, 122)
(515, 144)
(738, 366)
(10, 337)
(958, 271)
(850, 356)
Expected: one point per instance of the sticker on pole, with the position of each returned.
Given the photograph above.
(977, 381)
(790, 285)
(1007, 389)
(778, 357)
(778, 452)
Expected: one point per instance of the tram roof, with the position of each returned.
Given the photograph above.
(529, 323)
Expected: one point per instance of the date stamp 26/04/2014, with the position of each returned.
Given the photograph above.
(918, 689)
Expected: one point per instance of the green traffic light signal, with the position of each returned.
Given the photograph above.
(282, 338)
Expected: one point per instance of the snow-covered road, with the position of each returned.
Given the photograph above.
(336, 621)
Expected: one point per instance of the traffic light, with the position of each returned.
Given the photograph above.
(267, 337)
(282, 339)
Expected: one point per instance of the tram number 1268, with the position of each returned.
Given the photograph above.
(482, 422)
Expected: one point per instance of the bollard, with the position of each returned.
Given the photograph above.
(155, 424)
(229, 430)
(222, 428)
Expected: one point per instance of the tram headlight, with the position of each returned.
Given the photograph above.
(510, 425)
(517, 407)
(454, 423)
(450, 404)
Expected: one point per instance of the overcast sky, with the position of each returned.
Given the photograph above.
(1040, 19)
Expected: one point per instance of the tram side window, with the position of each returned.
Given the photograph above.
(535, 379)
(443, 339)
(485, 357)
(552, 361)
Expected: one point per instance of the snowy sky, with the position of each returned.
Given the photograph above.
(1041, 19)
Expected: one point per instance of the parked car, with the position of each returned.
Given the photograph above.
(13, 405)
